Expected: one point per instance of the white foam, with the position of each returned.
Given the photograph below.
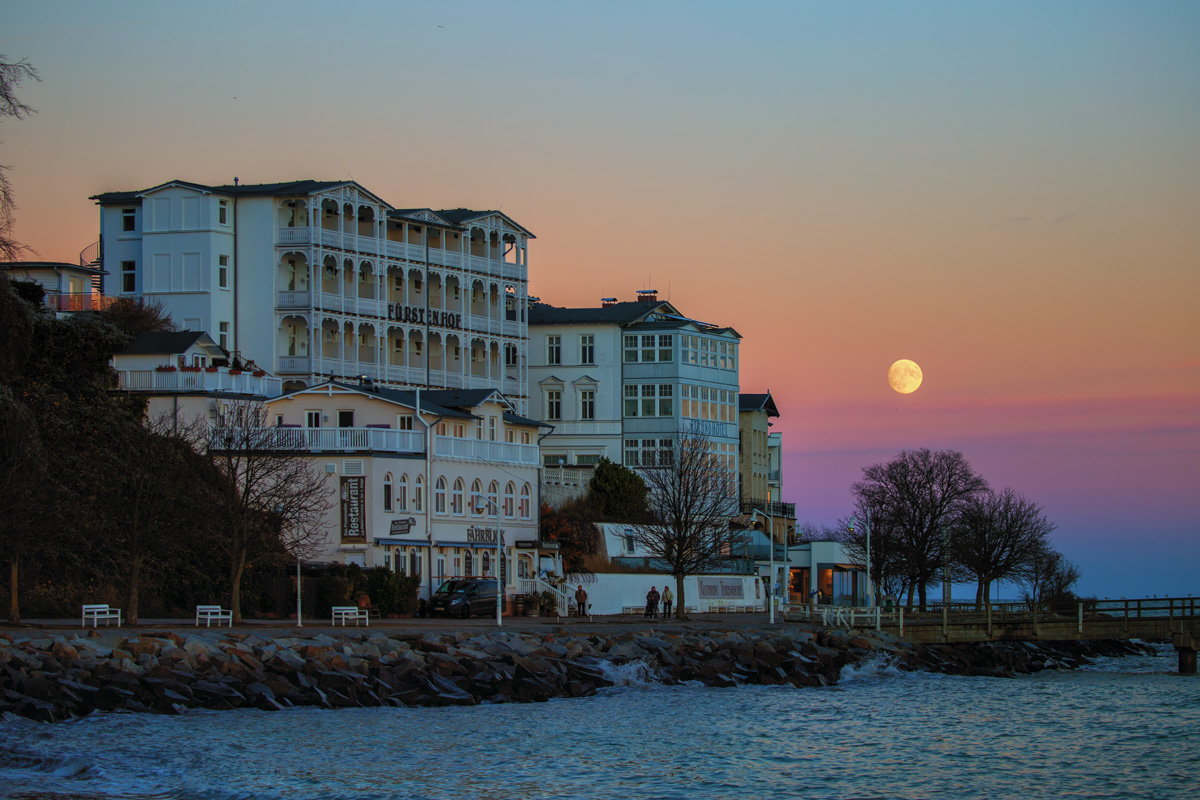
(631, 673)
(874, 667)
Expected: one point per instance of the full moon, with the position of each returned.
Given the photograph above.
(905, 376)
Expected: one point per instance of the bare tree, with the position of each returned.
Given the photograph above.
(889, 567)
(918, 494)
(24, 484)
(12, 74)
(1047, 579)
(996, 536)
(270, 495)
(693, 496)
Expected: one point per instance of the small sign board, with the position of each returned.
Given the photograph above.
(402, 527)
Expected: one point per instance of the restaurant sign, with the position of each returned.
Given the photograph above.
(720, 588)
(353, 497)
(402, 527)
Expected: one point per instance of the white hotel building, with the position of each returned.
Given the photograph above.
(622, 380)
(317, 280)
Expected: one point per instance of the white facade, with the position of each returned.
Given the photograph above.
(622, 380)
(419, 492)
(313, 280)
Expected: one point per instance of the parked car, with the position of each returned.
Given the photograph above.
(464, 597)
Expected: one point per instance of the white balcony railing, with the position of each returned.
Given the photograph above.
(219, 379)
(294, 365)
(293, 299)
(320, 440)
(474, 449)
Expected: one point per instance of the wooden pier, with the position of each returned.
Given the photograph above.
(1167, 618)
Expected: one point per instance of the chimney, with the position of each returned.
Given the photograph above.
(235, 180)
(608, 302)
(647, 295)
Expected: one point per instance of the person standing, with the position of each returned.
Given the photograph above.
(667, 599)
(651, 602)
(581, 600)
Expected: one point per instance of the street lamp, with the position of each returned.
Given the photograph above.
(499, 555)
(754, 514)
(867, 531)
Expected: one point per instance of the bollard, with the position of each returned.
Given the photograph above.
(1185, 645)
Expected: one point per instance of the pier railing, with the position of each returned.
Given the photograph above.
(1147, 618)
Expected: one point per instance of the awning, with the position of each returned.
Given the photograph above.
(392, 540)
(848, 566)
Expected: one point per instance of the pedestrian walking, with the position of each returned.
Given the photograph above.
(667, 599)
(651, 602)
(581, 600)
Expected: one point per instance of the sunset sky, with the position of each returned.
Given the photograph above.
(1007, 193)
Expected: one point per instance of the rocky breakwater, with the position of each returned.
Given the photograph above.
(52, 678)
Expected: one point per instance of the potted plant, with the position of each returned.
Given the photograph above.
(164, 368)
(548, 603)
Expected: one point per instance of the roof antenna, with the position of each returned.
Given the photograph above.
(235, 180)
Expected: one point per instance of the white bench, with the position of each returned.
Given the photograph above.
(210, 613)
(97, 612)
(355, 613)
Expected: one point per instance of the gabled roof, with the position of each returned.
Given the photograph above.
(423, 216)
(465, 216)
(168, 343)
(616, 314)
(300, 187)
(453, 403)
(758, 402)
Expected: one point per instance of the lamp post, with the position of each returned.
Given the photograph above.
(754, 514)
(867, 531)
(499, 555)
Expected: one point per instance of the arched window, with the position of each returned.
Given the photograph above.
(467, 564)
(477, 505)
(509, 498)
(414, 563)
(402, 494)
(456, 497)
(439, 496)
(525, 501)
(485, 564)
(400, 561)
(419, 495)
(387, 492)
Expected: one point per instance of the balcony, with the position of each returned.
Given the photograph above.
(293, 299)
(198, 381)
(785, 510)
(294, 365)
(319, 440)
(81, 301)
(477, 450)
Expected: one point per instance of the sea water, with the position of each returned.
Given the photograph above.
(1120, 728)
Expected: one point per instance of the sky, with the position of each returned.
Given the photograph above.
(1007, 193)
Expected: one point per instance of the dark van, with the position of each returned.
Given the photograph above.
(464, 597)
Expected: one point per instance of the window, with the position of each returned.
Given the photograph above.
(128, 219)
(459, 430)
(346, 419)
(439, 496)
(223, 336)
(510, 355)
(404, 422)
(485, 563)
(414, 563)
(222, 212)
(587, 349)
(630, 542)
(456, 497)
(312, 419)
(648, 452)
(387, 492)
(478, 506)
(128, 276)
(587, 459)
(509, 499)
(402, 494)
(491, 429)
(467, 563)
(553, 349)
(419, 495)
(649, 348)
(587, 404)
(526, 437)
(493, 497)
(649, 400)
(554, 404)
(223, 271)
(525, 495)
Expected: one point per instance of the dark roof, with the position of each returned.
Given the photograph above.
(463, 216)
(443, 402)
(238, 190)
(758, 402)
(517, 419)
(617, 314)
(18, 265)
(170, 342)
